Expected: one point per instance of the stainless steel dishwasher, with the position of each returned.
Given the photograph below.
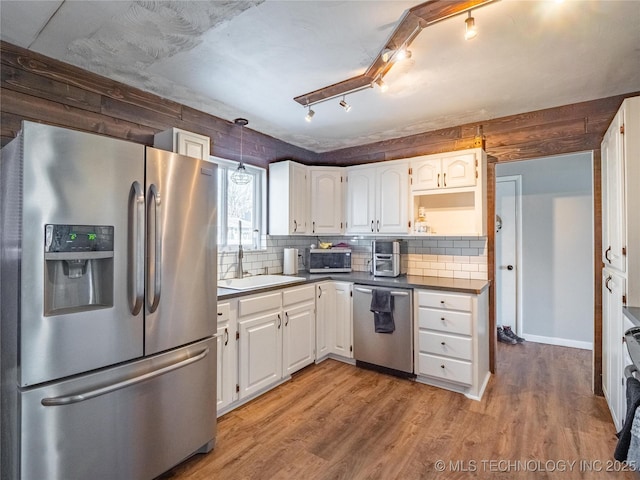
(389, 352)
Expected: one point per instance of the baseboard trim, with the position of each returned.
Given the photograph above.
(561, 342)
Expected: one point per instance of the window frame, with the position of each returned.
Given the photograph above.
(259, 204)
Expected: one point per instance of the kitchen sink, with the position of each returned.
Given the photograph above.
(258, 281)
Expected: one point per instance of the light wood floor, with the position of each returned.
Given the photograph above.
(336, 421)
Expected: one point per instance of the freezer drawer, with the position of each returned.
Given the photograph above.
(134, 421)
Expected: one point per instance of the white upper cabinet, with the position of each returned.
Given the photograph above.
(377, 199)
(449, 190)
(448, 170)
(183, 142)
(327, 204)
(288, 199)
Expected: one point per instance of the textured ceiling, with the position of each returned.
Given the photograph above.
(251, 58)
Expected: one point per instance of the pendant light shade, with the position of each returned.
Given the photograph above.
(240, 176)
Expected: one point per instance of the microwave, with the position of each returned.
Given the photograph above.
(389, 258)
(329, 260)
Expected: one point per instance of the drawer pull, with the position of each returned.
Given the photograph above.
(442, 302)
(442, 366)
(442, 318)
(442, 343)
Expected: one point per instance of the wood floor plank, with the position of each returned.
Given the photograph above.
(538, 419)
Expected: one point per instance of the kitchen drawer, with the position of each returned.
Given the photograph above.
(449, 301)
(458, 371)
(447, 345)
(259, 303)
(445, 321)
(292, 296)
(224, 312)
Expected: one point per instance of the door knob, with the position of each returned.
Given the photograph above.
(509, 267)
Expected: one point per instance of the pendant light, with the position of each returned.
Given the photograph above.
(240, 176)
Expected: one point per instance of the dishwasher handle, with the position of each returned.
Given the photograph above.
(394, 293)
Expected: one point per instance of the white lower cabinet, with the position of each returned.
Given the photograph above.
(334, 325)
(452, 341)
(276, 337)
(227, 373)
(299, 332)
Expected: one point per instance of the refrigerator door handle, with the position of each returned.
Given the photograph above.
(155, 201)
(136, 248)
(81, 397)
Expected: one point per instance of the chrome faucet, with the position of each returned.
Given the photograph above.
(239, 269)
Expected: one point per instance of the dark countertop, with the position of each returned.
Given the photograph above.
(364, 278)
(633, 314)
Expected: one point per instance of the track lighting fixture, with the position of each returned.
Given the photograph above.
(470, 30)
(387, 54)
(309, 114)
(345, 105)
(240, 175)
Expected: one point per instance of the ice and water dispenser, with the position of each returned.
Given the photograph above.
(78, 268)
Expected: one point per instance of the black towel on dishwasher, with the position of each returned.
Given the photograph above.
(624, 435)
(382, 308)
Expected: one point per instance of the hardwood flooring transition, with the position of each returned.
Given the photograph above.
(537, 419)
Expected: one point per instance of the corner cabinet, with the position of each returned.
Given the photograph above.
(334, 321)
(183, 142)
(288, 199)
(378, 199)
(327, 200)
(452, 341)
(450, 189)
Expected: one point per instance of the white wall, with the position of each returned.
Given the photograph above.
(557, 248)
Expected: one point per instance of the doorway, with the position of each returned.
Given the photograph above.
(508, 238)
(556, 268)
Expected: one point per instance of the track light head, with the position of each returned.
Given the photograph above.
(387, 54)
(345, 105)
(309, 115)
(470, 30)
(383, 86)
(403, 54)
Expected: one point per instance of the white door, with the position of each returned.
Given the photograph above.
(343, 321)
(326, 201)
(260, 352)
(299, 337)
(507, 240)
(299, 199)
(459, 171)
(393, 199)
(325, 318)
(361, 196)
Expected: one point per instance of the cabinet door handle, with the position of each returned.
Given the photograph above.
(442, 367)
(371, 226)
(443, 319)
(295, 226)
(438, 179)
(313, 227)
(378, 226)
(606, 284)
(226, 336)
(444, 177)
(606, 254)
(286, 316)
(319, 290)
(442, 343)
(279, 321)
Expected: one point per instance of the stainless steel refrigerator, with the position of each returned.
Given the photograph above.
(108, 307)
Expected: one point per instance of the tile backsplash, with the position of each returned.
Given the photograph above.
(453, 257)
